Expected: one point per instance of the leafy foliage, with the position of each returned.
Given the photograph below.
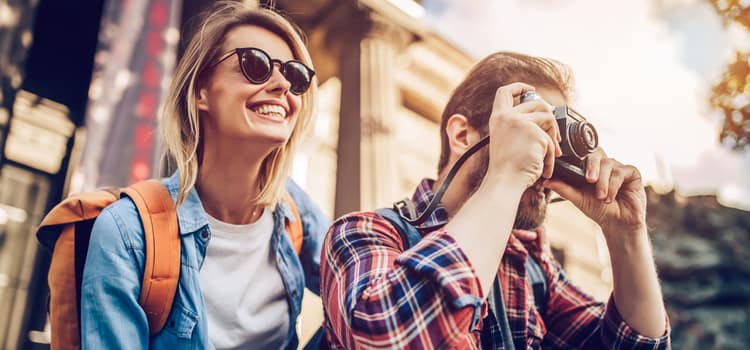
(732, 93)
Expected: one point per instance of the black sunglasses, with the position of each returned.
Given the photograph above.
(257, 67)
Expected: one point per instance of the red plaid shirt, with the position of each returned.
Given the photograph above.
(378, 295)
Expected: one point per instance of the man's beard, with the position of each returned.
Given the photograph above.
(532, 208)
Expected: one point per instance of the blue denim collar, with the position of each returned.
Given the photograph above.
(286, 210)
(191, 216)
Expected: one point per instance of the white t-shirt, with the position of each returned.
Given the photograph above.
(246, 303)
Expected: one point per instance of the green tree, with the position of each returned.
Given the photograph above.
(732, 93)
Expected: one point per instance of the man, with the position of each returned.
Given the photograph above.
(376, 294)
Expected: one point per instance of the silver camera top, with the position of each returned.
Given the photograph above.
(530, 96)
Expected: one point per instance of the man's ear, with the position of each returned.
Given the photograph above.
(202, 100)
(461, 135)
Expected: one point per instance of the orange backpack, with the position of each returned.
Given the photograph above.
(67, 228)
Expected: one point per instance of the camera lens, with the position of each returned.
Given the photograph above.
(583, 137)
(589, 136)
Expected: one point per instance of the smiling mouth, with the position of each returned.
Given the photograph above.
(270, 111)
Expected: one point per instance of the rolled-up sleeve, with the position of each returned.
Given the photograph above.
(575, 320)
(617, 334)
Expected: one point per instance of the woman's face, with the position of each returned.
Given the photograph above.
(238, 111)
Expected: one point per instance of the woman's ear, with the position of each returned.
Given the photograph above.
(202, 100)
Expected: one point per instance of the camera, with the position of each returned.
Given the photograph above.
(579, 139)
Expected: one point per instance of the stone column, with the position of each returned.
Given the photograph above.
(369, 100)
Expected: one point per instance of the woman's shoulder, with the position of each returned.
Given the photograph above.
(302, 199)
(120, 221)
(314, 220)
(298, 195)
(294, 189)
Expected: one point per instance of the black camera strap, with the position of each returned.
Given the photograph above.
(496, 297)
(405, 207)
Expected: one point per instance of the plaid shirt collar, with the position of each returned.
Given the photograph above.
(422, 197)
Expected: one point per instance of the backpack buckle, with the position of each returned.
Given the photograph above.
(406, 209)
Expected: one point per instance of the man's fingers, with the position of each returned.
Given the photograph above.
(534, 106)
(549, 147)
(605, 172)
(593, 162)
(615, 182)
(629, 176)
(549, 157)
(541, 233)
(547, 122)
(525, 235)
(564, 190)
(504, 96)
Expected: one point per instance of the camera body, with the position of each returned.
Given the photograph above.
(579, 139)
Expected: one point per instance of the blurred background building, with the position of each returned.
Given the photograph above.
(82, 81)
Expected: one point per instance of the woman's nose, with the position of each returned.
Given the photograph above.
(277, 82)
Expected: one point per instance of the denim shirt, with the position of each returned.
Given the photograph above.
(111, 317)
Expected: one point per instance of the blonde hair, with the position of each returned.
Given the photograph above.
(179, 119)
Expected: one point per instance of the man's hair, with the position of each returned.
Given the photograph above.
(474, 97)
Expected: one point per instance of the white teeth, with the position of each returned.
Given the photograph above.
(270, 110)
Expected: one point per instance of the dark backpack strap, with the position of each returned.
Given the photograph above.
(535, 274)
(497, 305)
(410, 236)
(538, 281)
(318, 341)
(82, 237)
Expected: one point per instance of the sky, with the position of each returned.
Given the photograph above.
(643, 70)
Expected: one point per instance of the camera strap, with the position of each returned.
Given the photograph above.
(408, 211)
(406, 208)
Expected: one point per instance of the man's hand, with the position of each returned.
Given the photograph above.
(538, 235)
(524, 138)
(615, 198)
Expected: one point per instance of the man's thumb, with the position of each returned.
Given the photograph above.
(564, 190)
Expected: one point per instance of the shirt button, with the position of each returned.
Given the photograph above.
(204, 235)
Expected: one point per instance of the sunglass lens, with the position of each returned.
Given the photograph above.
(256, 65)
(298, 75)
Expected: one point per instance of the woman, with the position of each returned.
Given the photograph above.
(240, 99)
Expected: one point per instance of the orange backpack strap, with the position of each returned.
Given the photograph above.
(76, 208)
(161, 233)
(296, 233)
